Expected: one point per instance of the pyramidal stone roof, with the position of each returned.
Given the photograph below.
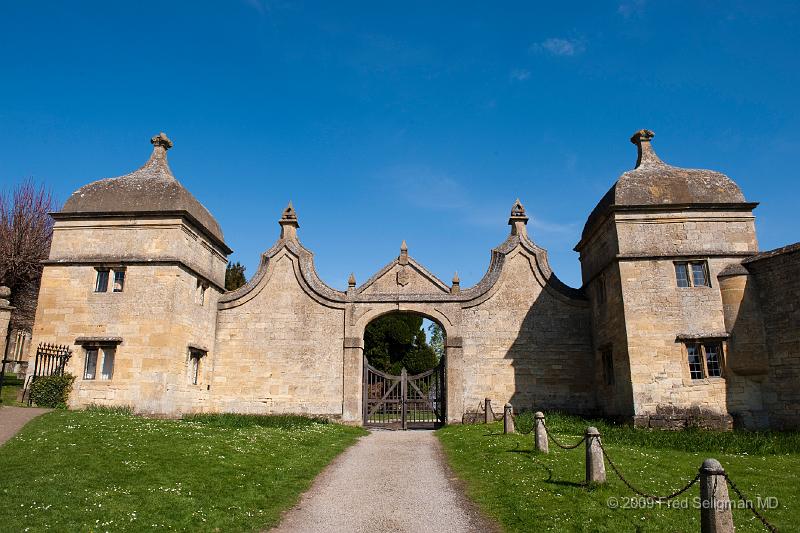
(150, 189)
(655, 183)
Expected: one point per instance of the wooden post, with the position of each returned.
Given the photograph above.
(595, 466)
(487, 411)
(404, 392)
(715, 506)
(508, 419)
(540, 433)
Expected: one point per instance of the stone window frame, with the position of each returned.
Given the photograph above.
(701, 343)
(120, 276)
(690, 273)
(110, 275)
(194, 372)
(101, 273)
(104, 350)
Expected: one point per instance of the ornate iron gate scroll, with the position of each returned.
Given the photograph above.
(404, 402)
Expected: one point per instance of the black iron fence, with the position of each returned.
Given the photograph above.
(51, 360)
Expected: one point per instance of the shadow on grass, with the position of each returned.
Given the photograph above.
(534, 455)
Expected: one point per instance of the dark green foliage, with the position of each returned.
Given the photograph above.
(234, 276)
(396, 341)
(524, 422)
(688, 440)
(232, 420)
(51, 391)
(419, 360)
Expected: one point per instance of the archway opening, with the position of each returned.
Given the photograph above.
(404, 372)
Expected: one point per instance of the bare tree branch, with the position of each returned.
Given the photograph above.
(26, 230)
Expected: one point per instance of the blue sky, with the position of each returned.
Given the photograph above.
(391, 121)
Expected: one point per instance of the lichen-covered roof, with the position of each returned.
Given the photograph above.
(152, 188)
(733, 269)
(655, 183)
(783, 250)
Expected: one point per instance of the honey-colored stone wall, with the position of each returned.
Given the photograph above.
(280, 351)
(527, 344)
(657, 311)
(692, 232)
(157, 316)
(138, 238)
(643, 312)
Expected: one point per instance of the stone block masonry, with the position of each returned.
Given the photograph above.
(286, 342)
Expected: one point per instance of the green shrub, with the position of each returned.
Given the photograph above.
(52, 391)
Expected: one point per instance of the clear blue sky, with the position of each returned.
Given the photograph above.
(390, 121)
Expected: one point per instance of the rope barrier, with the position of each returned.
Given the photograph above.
(641, 492)
(653, 497)
(495, 416)
(562, 446)
(516, 426)
(749, 504)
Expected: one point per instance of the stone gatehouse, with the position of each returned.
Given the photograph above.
(679, 317)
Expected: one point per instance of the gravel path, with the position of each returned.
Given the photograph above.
(13, 418)
(387, 481)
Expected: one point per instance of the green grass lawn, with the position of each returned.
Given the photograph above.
(99, 470)
(528, 491)
(11, 387)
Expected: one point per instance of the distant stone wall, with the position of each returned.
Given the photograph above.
(777, 276)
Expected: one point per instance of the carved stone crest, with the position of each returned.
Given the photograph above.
(403, 277)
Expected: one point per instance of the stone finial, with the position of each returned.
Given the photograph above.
(403, 253)
(161, 140)
(518, 219)
(646, 155)
(455, 288)
(289, 213)
(161, 144)
(289, 223)
(351, 281)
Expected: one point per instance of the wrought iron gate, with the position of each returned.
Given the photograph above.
(51, 360)
(404, 402)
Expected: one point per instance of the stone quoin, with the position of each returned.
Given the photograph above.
(679, 320)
